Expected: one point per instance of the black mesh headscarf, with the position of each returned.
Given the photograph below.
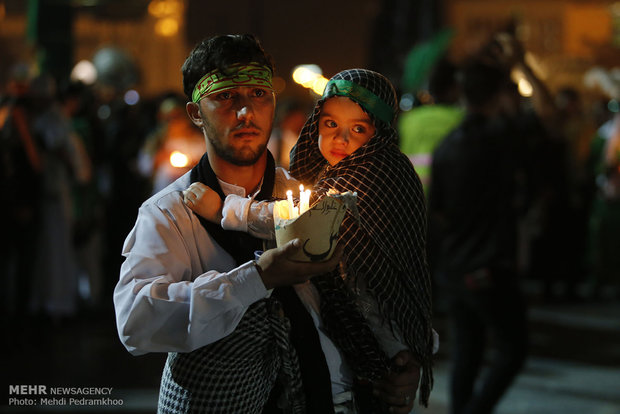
(387, 247)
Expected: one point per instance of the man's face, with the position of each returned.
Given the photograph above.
(237, 123)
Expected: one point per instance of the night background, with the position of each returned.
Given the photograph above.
(137, 48)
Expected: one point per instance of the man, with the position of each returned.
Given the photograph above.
(189, 288)
(472, 208)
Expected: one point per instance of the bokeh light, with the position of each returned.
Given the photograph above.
(132, 97)
(406, 102)
(178, 159)
(525, 88)
(318, 86)
(84, 71)
(311, 77)
(163, 8)
(104, 112)
(167, 27)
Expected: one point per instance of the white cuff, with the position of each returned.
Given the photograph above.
(235, 213)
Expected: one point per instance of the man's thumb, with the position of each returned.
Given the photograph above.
(290, 248)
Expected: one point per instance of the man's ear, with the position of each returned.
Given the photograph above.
(193, 110)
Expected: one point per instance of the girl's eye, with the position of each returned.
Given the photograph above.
(259, 93)
(330, 124)
(359, 129)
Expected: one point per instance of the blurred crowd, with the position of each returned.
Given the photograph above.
(77, 162)
(517, 190)
(565, 187)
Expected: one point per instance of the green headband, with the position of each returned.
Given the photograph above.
(368, 100)
(252, 74)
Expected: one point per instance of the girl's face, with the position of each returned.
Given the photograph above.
(343, 128)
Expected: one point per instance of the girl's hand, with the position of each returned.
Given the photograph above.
(399, 388)
(203, 201)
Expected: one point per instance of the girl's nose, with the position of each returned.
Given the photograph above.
(342, 135)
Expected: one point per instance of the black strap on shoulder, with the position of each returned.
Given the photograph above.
(239, 245)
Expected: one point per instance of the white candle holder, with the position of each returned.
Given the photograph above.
(318, 227)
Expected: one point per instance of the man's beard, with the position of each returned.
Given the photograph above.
(241, 157)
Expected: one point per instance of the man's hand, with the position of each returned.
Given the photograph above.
(277, 268)
(204, 202)
(399, 388)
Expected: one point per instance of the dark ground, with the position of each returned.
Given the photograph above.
(574, 364)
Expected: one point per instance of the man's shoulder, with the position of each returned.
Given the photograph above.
(169, 196)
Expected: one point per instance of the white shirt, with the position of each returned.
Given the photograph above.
(179, 290)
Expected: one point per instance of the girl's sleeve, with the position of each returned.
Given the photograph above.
(248, 215)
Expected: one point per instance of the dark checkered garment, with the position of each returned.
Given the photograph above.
(237, 373)
(386, 249)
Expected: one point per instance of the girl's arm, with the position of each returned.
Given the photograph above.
(235, 213)
(246, 214)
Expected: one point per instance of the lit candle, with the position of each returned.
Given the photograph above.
(280, 209)
(304, 199)
(291, 210)
(307, 192)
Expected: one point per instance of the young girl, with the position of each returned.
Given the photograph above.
(349, 144)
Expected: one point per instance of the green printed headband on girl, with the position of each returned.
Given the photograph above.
(368, 100)
(251, 74)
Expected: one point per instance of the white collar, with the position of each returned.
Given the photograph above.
(228, 188)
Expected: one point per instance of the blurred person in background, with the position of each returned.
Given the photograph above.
(473, 211)
(124, 128)
(551, 225)
(568, 219)
(65, 161)
(21, 166)
(76, 100)
(173, 148)
(422, 128)
(604, 166)
(487, 177)
(605, 214)
(559, 220)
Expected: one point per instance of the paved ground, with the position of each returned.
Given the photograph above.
(547, 386)
(574, 365)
